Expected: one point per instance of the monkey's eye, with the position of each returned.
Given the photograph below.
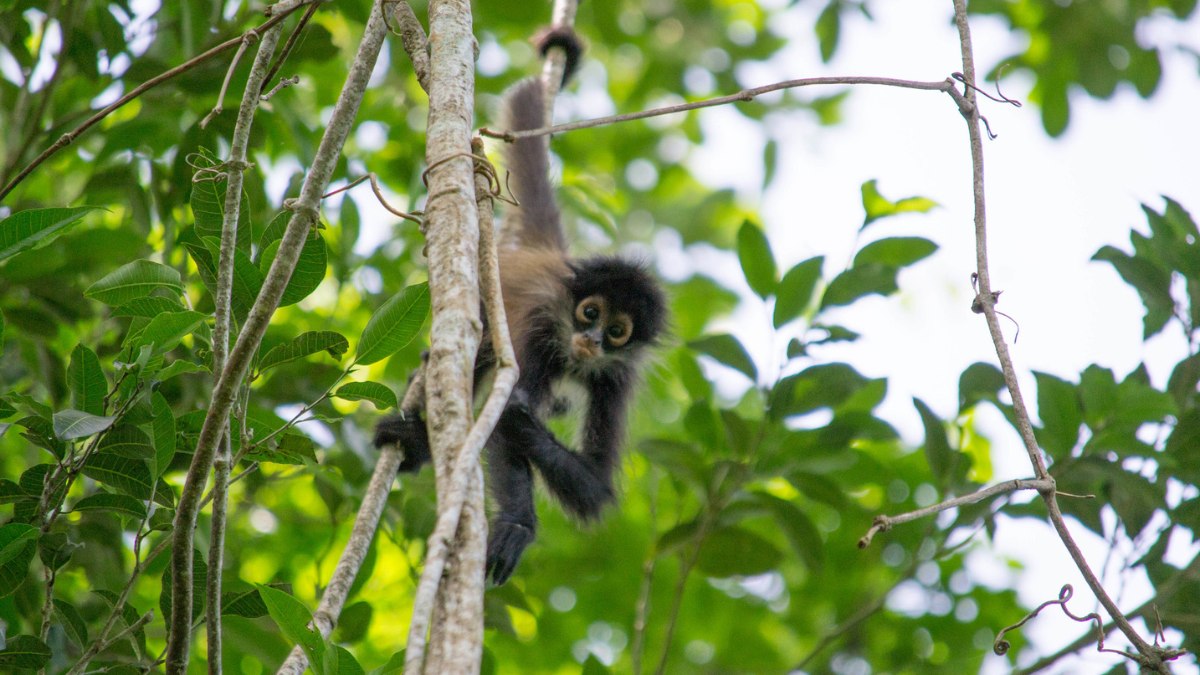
(619, 332)
(591, 313)
(589, 310)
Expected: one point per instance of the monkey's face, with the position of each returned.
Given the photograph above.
(599, 329)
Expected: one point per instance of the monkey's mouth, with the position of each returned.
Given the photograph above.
(583, 348)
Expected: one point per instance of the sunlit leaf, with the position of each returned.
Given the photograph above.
(309, 272)
(135, 280)
(878, 207)
(795, 291)
(30, 229)
(394, 325)
(304, 345)
(376, 393)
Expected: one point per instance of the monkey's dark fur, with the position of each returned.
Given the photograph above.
(573, 321)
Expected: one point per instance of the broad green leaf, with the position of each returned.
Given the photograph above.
(727, 350)
(71, 620)
(10, 492)
(164, 433)
(829, 385)
(26, 652)
(339, 661)
(1153, 284)
(129, 616)
(162, 520)
(30, 229)
(895, 251)
(103, 501)
(13, 539)
(827, 28)
(293, 449)
(72, 424)
(394, 665)
(376, 393)
(309, 272)
(135, 280)
(245, 603)
(354, 622)
(804, 537)
(166, 330)
(979, 382)
(86, 381)
(304, 345)
(127, 475)
(1058, 408)
(148, 307)
(6, 409)
(795, 291)
(758, 263)
(858, 281)
(394, 325)
(127, 440)
(293, 618)
(733, 551)
(247, 281)
(937, 447)
(55, 549)
(878, 207)
(180, 367)
(208, 207)
(274, 232)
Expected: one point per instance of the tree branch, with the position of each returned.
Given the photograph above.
(304, 216)
(414, 40)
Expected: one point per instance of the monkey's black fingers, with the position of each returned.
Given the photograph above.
(505, 546)
(407, 431)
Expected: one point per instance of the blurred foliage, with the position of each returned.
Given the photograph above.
(739, 518)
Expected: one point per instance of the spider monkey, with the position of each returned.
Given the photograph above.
(575, 322)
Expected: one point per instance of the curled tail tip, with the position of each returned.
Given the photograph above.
(565, 38)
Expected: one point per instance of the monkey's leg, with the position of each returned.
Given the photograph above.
(580, 481)
(408, 431)
(515, 526)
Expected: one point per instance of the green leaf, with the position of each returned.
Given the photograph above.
(166, 330)
(734, 551)
(828, 28)
(937, 446)
(309, 272)
(162, 520)
(878, 207)
(895, 251)
(339, 661)
(127, 475)
(593, 666)
(394, 325)
(293, 618)
(1058, 408)
(18, 544)
(395, 664)
(148, 307)
(86, 381)
(71, 620)
(103, 501)
(829, 385)
(354, 622)
(129, 616)
(795, 291)
(979, 382)
(376, 393)
(1153, 284)
(208, 207)
(804, 537)
(164, 433)
(72, 424)
(10, 492)
(127, 440)
(25, 651)
(758, 263)
(728, 351)
(180, 367)
(859, 281)
(55, 549)
(34, 228)
(245, 603)
(304, 345)
(135, 280)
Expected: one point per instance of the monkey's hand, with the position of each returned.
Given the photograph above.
(409, 433)
(505, 546)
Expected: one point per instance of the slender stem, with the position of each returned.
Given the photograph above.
(288, 46)
(643, 602)
(946, 85)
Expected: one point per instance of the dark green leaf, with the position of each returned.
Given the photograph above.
(309, 272)
(593, 667)
(103, 501)
(354, 622)
(1058, 408)
(55, 549)
(127, 475)
(733, 551)
(979, 382)
(376, 393)
(1153, 284)
(895, 251)
(148, 307)
(394, 665)
(25, 651)
(86, 381)
(72, 622)
(728, 351)
(135, 280)
(127, 440)
(166, 330)
(72, 424)
(179, 366)
(18, 544)
(801, 533)
(10, 492)
(937, 447)
(858, 281)
(828, 28)
(31, 229)
(164, 433)
(293, 618)
(758, 263)
(304, 345)
(795, 291)
(394, 325)
(208, 207)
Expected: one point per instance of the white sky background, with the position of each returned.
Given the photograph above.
(1051, 205)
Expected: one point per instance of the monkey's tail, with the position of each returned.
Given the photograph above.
(527, 160)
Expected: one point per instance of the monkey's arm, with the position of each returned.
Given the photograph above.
(408, 431)
(581, 481)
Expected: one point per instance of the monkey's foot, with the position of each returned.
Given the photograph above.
(505, 546)
(407, 431)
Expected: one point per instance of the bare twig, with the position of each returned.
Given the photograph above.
(946, 85)
(287, 51)
(378, 195)
(284, 83)
(68, 138)
(883, 523)
(248, 38)
(413, 37)
(302, 220)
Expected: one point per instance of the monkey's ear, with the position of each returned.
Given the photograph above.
(566, 39)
